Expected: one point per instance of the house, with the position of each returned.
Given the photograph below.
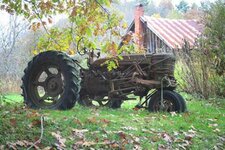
(158, 35)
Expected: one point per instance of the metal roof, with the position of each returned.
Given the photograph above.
(173, 32)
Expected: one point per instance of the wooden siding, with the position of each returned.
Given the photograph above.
(153, 44)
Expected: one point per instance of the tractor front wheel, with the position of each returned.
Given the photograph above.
(51, 81)
(172, 102)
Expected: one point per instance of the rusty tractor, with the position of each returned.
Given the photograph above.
(54, 80)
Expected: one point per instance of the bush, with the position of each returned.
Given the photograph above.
(200, 69)
(195, 74)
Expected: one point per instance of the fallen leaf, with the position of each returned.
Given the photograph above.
(137, 147)
(155, 139)
(222, 138)
(178, 140)
(213, 125)
(79, 133)
(48, 148)
(175, 133)
(189, 135)
(2, 147)
(20, 143)
(79, 142)
(32, 114)
(11, 146)
(60, 141)
(105, 121)
(213, 120)
(13, 122)
(89, 143)
(106, 141)
(192, 131)
(114, 145)
(136, 108)
(129, 128)
(122, 135)
(164, 116)
(162, 147)
(35, 122)
(216, 130)
(92, 120)
(77, 121)
(173, 114)
(167, 137)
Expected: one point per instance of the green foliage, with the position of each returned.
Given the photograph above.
(214, 35)
(201, 68)
(195, 74)
(56, 39)
(89, 19)
(218, 84)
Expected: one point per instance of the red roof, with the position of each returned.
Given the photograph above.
(173, 32)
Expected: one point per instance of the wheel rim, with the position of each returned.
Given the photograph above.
(86, 101)
(103, 102)
(47, 86)
(168, 106)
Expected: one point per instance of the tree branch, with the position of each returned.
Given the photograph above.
(41, 136)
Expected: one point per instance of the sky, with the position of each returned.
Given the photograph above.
(4, 17)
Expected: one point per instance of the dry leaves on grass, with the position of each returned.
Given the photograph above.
(129, 128)
(60, 141)
(77, 121)
(105, 144)
(20, 144)
(166, 137)
(32, 114)
(79, 134)
(102, 122)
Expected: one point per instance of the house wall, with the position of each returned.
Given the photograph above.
(153, 44)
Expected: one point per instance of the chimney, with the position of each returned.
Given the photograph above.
(139, 11)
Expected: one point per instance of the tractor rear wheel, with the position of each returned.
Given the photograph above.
(51, 81)
(172, 102)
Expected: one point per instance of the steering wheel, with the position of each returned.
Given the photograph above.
(81, 49)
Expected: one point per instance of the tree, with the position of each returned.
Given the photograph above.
(205, 5)
(214, 35)
(165, 6)
(183, 6)
(151, 8)
(174, 14)
(89, 19)
(9, 36)
(202, 68)
(194, 12)
(144, 2)
(11, 62)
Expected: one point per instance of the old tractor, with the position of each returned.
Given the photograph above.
(54, 80)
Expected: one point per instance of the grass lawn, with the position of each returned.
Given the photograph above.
(202, 127)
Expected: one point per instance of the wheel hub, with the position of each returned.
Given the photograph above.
(167, 106)
(54, 86)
